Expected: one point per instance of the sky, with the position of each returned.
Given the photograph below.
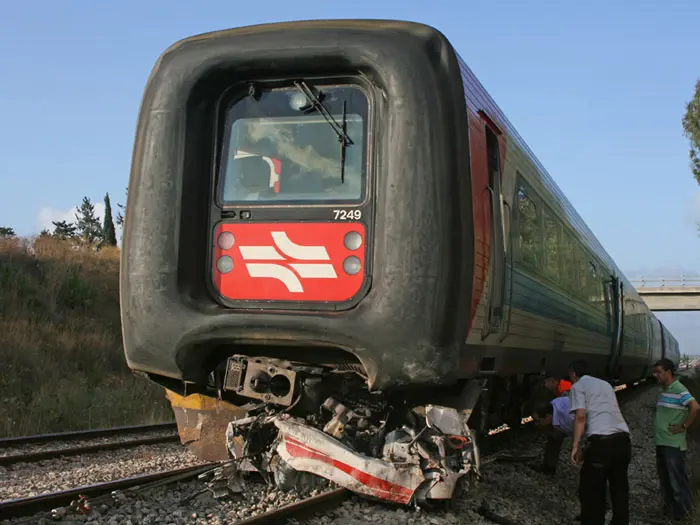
(597, 89)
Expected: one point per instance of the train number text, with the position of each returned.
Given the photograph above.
(347, 215)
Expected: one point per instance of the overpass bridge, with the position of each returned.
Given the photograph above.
(669, 294)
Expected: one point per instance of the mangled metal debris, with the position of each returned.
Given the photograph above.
(424, 454)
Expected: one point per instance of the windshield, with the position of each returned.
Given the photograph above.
(280, 149)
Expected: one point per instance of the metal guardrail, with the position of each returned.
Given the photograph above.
(683, 281)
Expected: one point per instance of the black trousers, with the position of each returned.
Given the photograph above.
(555, 439)
(605, 461)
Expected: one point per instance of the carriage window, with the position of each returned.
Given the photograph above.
(280, 148)
(552, 242)
(569, 273)
(595, 285)
(582, 268)
(529, 229)
(592, 271)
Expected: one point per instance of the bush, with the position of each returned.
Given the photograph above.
(61, 359)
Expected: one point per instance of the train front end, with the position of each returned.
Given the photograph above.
(297, 253)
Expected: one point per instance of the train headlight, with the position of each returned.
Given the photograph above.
(224, 264)
(352, 241)
(226, 240)
(352, 265)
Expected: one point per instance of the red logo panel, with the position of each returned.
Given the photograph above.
(289, 261)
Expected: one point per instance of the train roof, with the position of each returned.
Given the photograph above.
(185, 53)
(574, 218)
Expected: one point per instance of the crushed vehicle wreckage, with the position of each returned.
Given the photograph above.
(354, 439)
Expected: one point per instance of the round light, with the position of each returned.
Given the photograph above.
(224, 264)
(226, 241)
(298, 101)
(352, 265)
(353, 240)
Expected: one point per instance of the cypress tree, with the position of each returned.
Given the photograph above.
(109, 234)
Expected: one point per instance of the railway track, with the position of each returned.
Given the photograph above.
(39, 443)
(85, 434)
(301, 509)
(502, 444)
(83, 498)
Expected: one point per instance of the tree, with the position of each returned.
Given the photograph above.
(6, 231)
(691, 129)
(88, 225)
(44, 233)
(108, 232)
(63, 229)
(120, 215)
(685, 361)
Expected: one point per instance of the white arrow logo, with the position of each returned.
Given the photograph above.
(288, 275)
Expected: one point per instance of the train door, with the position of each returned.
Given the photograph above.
(651, 340)
(664, 341)
(615, 295)
(498, 267)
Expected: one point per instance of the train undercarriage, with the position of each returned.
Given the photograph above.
(300, 426)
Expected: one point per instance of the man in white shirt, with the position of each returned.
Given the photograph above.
(608, 451)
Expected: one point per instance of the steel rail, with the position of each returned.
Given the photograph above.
(45, 502)
(41, 455)
(323, 502)
(85, 434)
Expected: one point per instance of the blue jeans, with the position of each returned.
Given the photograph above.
(673, 477)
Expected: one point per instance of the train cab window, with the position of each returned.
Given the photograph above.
(279, 147)
(528, 225)
(552, 245)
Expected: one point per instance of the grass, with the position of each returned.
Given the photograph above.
(62, 365)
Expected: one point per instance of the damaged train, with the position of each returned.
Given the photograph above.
(342, 262)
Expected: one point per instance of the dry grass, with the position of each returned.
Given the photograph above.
(61, 361)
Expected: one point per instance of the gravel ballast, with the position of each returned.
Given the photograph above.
(22, 480)
(32, 448)
(511, 490)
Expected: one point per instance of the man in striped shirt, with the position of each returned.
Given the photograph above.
(676, 409)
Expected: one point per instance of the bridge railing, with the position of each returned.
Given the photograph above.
(683, 281)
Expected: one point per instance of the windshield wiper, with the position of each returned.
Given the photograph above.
(340, 131)
(343, 145)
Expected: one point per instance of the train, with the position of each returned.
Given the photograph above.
(343, 264)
